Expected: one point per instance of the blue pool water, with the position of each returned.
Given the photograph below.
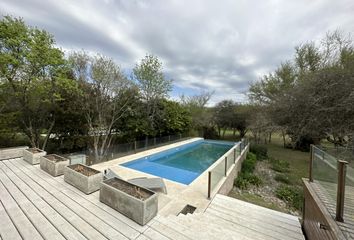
(182, 164)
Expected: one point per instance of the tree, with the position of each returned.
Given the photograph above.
(106, 97)
(202, 117)
(34, 72)
(153, 86)
(223, 115)
(311, 97)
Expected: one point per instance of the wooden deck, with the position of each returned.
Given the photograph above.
(35, 205)
(327, 193)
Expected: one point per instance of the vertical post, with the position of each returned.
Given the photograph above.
(235, 155)
(154, 141)
(240, 148)
(180, 136)
(225, 166)
(134, 146)
(169, 138)
(209, 184)
(311, 163)
(342, 167)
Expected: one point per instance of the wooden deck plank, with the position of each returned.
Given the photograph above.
(168, 231)
(72, 198)
(155, 235)
(19, 219)
(92, 219)
(254, 210)
(71, 216)
(8, 230)
(258, 224)
(63, 226)
(58, 183)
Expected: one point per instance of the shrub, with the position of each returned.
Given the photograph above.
(245, 179)
(260, 151)
(249, 163)
(291, 194)
(282, 178)
(279, 165)
(241, 183)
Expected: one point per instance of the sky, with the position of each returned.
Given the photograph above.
(204, 45)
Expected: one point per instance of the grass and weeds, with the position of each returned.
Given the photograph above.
(246, 176)
(293, 195)
(279, 170)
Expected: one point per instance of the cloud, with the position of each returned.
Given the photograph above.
(205, 45)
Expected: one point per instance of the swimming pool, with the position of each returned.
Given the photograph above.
(182, 164)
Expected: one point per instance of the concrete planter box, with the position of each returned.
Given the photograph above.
(32, 155)
(137, 203)
(83, 177)
(53, 164)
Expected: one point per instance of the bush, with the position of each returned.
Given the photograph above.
(260, 151)
(291, 194)
(282, 178)
(279, 165)
(249, 163)
(243, 181)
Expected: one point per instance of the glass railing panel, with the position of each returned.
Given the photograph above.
(217, 174)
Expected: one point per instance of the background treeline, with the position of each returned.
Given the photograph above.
(71, 102)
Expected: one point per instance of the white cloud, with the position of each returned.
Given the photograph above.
(218, 46)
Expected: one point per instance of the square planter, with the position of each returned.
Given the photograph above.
(32, 155)
(137, 203)
(53, 164)
(83, 177)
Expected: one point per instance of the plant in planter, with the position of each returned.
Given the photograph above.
(137, 203)
(32, 155)
(53, 164)
(83, 177)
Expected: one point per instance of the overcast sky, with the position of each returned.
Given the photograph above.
(219, 45)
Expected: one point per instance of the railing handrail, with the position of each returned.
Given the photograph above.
(242, 144)
(341, 176)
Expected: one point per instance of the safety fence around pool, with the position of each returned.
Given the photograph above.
(221, 168)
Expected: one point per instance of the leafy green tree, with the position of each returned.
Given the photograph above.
(34, 72)
(106, 97)
(153, 86)
(172, 118)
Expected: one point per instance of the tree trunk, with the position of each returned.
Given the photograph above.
(48, 135)
(283, 134)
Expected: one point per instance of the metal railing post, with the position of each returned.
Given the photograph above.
(209, 184)
(154, 141)
(169, 138)
(225, 166)
(235, 155)
(342, 167)
(134, 146)
(311, 163)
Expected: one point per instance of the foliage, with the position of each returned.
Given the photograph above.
(291, 194)
(152, 85)
(201, 116)
(106, 96)
(260, 151)
(35, 75)
(246, 176)
(282, 178)
(311, 97)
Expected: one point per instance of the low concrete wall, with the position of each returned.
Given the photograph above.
(228, 184)
(14, 152)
